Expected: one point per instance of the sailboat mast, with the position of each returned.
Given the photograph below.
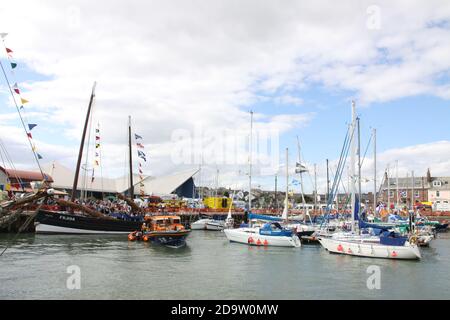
(359, 166)
(315, 188)
(250, 164)
(301, 179)
(352, 164)
(374, 169)
(131, 159)
(80, 152)
(286, 201)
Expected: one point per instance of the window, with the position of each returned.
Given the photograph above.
(416, 194)
(391, 194)
(438, 194)
(437, 183)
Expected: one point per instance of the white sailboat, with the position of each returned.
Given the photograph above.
(267, 234)
(388, 245)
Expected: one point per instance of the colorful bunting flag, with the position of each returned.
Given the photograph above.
(29, 135)
(9, 52)
(16, 88)
(39, 156)
(13, 65)
(140, 145)
(31, 126)
(136, 136)
(24, 100)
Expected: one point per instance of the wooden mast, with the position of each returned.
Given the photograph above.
(131, 159)
(80, 152)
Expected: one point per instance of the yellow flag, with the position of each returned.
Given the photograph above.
(8, 187)
(23, 100)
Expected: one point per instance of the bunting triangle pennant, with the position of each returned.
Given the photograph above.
(136, 136)
(97, 138)
(13, 65)
(24, 100)
(21, 107)
(9, 51)
(97, 145)
(39, 156)
(16, 88)
(29, 135)
(31, 126)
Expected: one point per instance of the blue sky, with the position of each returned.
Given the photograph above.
(173, 66)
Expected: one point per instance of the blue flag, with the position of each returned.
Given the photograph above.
(136, 136)
(31, 126)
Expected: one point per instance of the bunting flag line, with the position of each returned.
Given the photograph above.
(96, 151)
(15, 88)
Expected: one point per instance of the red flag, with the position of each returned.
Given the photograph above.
(9, 51)
(29, 135)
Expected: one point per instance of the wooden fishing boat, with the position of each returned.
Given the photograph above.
(165, 230)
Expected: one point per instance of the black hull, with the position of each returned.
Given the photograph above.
(65, 223)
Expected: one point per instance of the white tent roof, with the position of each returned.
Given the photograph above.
(164, 185)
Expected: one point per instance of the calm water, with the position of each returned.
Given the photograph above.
(210, 268)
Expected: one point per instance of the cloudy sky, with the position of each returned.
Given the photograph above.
(194, 69)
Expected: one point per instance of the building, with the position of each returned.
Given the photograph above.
(435, 190)
(439, 193)
(179, 184)
(21, 180)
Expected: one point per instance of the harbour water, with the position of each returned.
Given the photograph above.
(210, 267)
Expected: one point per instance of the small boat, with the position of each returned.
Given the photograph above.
(215, 225)
(166, 230)
(269, 234)
(389, 246)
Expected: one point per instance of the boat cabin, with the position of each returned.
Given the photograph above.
(162, 223)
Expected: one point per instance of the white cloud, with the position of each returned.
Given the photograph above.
(176, 64)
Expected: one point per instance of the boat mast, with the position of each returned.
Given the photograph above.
(388, 189)
(250, 165)
(328, 185)
(352, 164)
(286, 200)
(315, 188)
(301, 180)
(359, 167)
(374, 169)
(396, 182)
(131, 191)
(80, 152)
(412, 191)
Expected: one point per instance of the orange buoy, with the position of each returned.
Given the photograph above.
(340, 248)
(394, 254)
(258, 242)
(266, 243)
(145, 238)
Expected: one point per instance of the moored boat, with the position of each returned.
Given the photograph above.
(270, 234)
(166, 230)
